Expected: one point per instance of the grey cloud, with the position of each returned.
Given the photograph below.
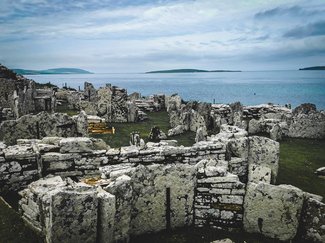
(295, 11)
(314, 29)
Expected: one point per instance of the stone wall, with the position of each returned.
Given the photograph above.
(219, 196)
(277, 121)
(41, 125)
(109, 102)
(20, 95)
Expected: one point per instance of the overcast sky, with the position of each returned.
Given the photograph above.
(143, 35)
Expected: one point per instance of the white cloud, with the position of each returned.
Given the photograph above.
(179, 33)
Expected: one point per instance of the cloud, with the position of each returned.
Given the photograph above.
(313, 29)
(295, 11)
(137, 34)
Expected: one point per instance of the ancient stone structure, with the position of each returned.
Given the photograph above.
(42, 125)
(109, 102)
(225, 181)
(187, 117)
(276, 121)
(21, 96)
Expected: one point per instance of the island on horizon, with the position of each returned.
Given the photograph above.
(313, 68)
(52, 71)
(191, 71)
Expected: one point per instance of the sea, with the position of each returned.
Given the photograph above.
(249, 87)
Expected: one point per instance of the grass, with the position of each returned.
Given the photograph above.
(13, 229)
(64, 109)
(299, 158)
(123, 130)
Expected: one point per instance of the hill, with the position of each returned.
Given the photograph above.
(313, 68)
(190, 71)
(51, 71)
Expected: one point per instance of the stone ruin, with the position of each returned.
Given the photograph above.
(19, 96)
(227, 181)
(110, 102)
(43, 124)
(277, 121)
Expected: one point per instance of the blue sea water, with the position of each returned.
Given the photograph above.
(250, 88)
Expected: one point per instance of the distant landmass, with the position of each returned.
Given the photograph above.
(313, 68)
(191, 71)
(51, 71)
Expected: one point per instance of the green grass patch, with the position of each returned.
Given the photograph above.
(13, 229)
(299, 158)
(64, 109)
(159, 119)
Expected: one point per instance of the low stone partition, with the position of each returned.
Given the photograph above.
(219, 196)
(30, 160)
(18, 167)
(65, 211)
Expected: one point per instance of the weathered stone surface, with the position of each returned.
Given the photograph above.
(305, 108)
(201, 134)
(74, 216)
(313, 221)
(132, 112)
(82, 124)
(311, 125)
(38, 126)
(81, 145)
(17, 152)
(173, 102)
(265, 152)
(255, 126)
(223, 241)
(239, 147)
(106, 216)
(257, 173)
(179, 129)
(76, 145)
(62, 210)
(122, 189)
(273, 211)
(320, 171)
(276, 132)
(148, 213)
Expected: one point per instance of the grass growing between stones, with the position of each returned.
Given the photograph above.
(123, 130)
(299, 158)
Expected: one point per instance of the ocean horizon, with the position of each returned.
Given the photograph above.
(249, 87)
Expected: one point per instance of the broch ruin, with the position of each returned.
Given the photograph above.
(75, 188)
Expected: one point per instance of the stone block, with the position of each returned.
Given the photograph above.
(265, 152)
(74, 216)
(273, 211)
(313, 221)
(76, 145)
(257, 173)
(106, 216)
